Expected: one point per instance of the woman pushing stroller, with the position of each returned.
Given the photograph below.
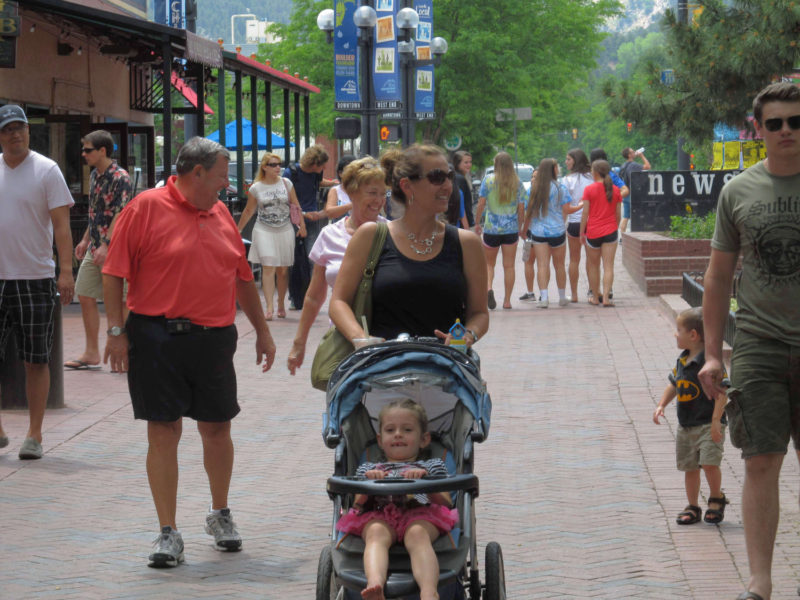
(415, 521)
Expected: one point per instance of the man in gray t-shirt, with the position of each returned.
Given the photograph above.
(758, 215)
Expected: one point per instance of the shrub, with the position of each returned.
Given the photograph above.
(692, 227)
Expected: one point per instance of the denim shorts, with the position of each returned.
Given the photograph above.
(764, 398)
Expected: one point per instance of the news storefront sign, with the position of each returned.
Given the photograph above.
(658, 195)
(423, 76)
(345, 57)
(386, 73)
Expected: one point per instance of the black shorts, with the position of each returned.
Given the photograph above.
(495, 240)
(27, 307)
(554, 242)
(574, 230)
(606, 239)
(172, 375)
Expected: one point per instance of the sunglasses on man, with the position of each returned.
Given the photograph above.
(776, 124)
(437, 176)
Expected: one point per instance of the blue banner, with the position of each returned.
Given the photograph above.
(170, 12)
(423, 76)
(345, 57)
(386, 74)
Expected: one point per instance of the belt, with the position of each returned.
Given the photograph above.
(175, 326)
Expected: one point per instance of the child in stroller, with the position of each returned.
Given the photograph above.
(447, 383)
(415, 520)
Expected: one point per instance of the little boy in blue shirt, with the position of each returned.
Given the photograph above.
(701, 431)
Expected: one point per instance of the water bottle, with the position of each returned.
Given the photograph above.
(640, 151)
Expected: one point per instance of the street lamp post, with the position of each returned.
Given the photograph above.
(365, 19)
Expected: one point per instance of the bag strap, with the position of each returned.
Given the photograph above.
(364, 292)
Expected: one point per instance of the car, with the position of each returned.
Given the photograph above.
(524, 172)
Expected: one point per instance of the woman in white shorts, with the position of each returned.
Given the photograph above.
(273, 234)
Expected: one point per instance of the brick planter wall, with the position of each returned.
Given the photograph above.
(656, 262)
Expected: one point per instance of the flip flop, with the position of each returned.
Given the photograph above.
(80, 365)
(749, 596)
(281, 313)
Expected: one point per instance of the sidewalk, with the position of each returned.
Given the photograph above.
(577, 484)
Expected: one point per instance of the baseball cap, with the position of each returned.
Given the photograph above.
(10, 113)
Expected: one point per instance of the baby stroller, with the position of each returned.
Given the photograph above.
(447, 383)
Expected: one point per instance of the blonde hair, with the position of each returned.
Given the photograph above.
(409, 405)
(264, 160)
(362, 172)
(506, 180)
(692, 318)
(540, 192)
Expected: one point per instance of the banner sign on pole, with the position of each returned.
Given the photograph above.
(386, 74)
(423, 76)
(170, 12)
(345, 57)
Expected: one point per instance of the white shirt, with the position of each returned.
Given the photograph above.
(28, 193)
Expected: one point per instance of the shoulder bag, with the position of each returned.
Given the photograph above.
(334, 347)
(295, 212)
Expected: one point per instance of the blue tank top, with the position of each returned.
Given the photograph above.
(415, 296)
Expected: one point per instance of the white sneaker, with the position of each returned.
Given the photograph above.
(168, 549)
(31, 449)
(543, 303)
(222, 527)
(563, 301)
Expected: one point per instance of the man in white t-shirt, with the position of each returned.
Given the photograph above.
(33, 213)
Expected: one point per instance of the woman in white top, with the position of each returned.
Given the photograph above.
(580, 175)
(364, 182)
(337, 203)
(272, 246)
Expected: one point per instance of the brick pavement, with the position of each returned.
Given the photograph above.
(577, 484)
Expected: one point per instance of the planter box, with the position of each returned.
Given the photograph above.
(657, 262)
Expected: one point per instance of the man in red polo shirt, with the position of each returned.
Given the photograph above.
(185, 263)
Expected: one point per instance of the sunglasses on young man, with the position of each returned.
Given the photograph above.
(87, 150)
(437, 176)
(776, 124)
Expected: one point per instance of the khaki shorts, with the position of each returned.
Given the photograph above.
(764, 398)
(90, 280)
(694, 448)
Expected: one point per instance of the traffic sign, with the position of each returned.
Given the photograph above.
(514, 114)
(453, 142)
(389, 133)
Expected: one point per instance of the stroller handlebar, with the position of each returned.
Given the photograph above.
(398, 486)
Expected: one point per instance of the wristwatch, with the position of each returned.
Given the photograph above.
(473, 334)
(115, 331)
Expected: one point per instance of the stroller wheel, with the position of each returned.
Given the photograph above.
(495, 573)
(326, 583)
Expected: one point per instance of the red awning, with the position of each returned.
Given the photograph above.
(279, 75)
(188, 93)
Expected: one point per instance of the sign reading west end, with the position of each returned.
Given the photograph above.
(423, 76)
(385, 72)
(658, 195)
(347, 95)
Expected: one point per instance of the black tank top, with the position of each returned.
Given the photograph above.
(417, 297)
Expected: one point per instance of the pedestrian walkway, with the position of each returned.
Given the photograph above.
(577, 484)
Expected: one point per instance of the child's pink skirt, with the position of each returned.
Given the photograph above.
(399, 519)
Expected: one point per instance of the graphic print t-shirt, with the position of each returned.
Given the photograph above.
(758, 214)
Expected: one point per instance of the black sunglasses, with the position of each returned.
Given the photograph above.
(87, 150)
(272, 164)
(776, 124)
(437, 176)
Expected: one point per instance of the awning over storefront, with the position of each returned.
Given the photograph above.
(188, 93)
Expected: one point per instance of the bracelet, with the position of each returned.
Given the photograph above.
(474, 335)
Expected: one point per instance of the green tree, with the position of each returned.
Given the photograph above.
(501, 55)
(720, 63)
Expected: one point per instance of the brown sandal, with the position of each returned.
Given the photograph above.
(716, 515)
(690, 515)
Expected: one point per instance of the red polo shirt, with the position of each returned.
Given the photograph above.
(180, 261)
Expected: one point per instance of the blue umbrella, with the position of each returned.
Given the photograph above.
(230, 137)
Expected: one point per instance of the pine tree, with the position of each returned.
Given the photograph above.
(721, 61)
